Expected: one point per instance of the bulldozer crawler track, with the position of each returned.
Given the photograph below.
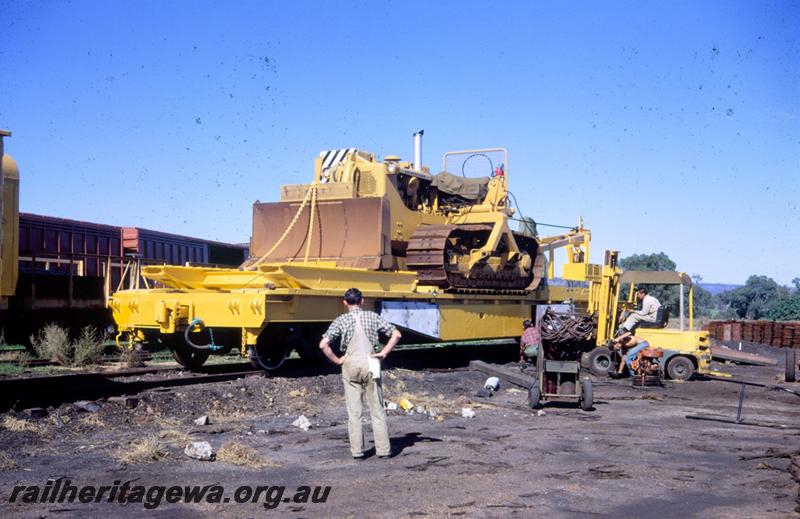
(427, 254)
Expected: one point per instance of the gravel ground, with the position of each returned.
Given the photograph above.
(635, 455)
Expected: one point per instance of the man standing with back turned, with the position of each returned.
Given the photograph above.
(358, 330)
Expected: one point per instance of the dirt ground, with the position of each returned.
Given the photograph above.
(635, 455)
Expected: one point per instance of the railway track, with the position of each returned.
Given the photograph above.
(46, 391)
(36, 363)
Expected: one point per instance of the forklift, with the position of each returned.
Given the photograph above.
(686, 351)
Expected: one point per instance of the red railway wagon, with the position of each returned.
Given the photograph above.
(65, 265)
(156, 247)
(77, 254)
(69, 241)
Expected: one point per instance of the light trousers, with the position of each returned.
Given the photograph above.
(361, 391)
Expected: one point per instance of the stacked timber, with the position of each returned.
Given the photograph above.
(774, 333)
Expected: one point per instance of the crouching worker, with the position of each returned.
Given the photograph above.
(530, 342)
(629, 346)
(358, 330)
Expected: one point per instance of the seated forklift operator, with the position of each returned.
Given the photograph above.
(647, 313)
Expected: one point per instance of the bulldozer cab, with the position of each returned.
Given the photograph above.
(472, 178)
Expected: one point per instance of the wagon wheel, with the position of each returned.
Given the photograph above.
(534, 396)
(587, 395)
(599, 360)
(273, 347)
(185, 355)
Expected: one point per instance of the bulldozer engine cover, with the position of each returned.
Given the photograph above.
(352, 232)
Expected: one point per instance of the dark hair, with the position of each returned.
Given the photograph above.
(527, 323)
(642, 290)
(353, 296)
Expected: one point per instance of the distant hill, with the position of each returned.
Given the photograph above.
(716, 288)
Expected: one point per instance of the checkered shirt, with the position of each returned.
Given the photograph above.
(344, 327)
(530, 336)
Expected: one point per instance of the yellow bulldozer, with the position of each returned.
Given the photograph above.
(389, 215)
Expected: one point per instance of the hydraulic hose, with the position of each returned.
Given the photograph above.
(210, 346)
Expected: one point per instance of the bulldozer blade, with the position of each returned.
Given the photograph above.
(351, 232)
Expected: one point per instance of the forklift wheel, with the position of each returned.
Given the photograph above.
(534, 396)
(791, 365)
(587, 395)
(600, 363)
(680, 368)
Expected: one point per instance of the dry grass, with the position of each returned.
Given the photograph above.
(89, 347)
(93, 421)
(229, 416)
(21, 356)
(53, 343)
(7, 462)
(244, 456)
(130, 358)
(142, 450)
(65, 419)
(14, 424)
(175, 437)
(165, 422)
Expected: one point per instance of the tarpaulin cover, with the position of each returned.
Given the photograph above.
(473, 189)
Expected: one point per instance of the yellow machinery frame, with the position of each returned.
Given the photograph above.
(311, 293)
(310, 290)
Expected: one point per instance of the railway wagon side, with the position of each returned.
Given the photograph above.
(173, 249)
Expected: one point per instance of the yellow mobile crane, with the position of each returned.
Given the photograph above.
(433, 253)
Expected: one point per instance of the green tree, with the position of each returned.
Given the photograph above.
(703, 300)
(648, 262)
(756, 298)
(786, 309)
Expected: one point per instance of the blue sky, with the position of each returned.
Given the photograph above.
(670, 126)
